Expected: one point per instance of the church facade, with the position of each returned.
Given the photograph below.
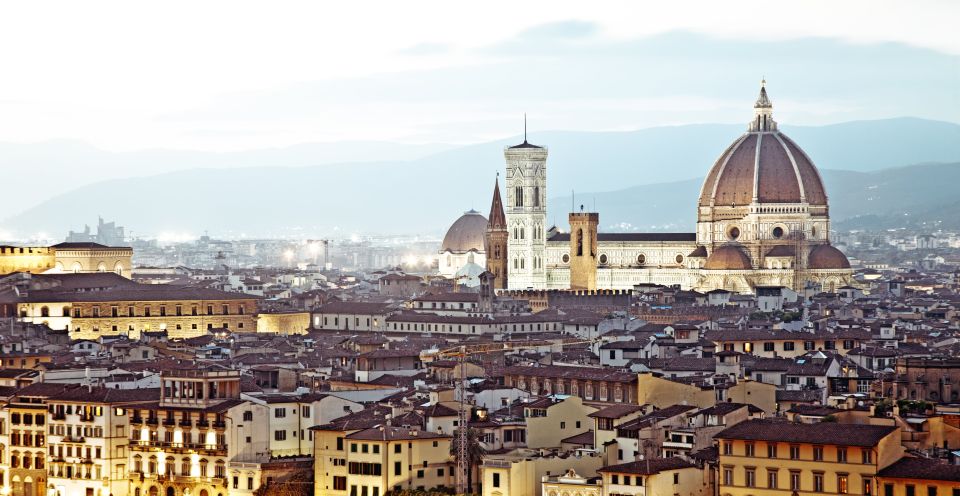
(762, 220)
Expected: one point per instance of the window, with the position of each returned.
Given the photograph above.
(818, 482)
(794, 452)
(748, 449)
(843, 484)
(339, 483)
(818, 453)
(615, 479)
(794, 480)
(771, 450)
(750, 477)
(931, 490)
(728, 448)
(867, 456)
(867, 486)
(563, 425)
(788, 346)
(397, 448)
(841, 455)
(364, 448)
(440, 473)
(280, 435)
(728, 476)
(376, 448)
(888, 490)
(397, 468)
(772, 479)
(911, 490)
(768, 346)
(496, 480)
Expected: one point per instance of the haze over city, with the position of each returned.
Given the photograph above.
(503, 249)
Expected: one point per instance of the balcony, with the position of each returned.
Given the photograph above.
(219, 424)
(59, 416)
(169, 421)
(152, 420)
(136, 420)
(86, 418)
(203, 423)
(73, 439)
(185, 423)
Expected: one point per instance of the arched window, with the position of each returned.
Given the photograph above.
(518, 195)
(522, 232)
(77, 267)
(118, 268)
(44, 312)
(101, 267)
(536, 196)
(137, 463)
(171, 491)
(203, 469)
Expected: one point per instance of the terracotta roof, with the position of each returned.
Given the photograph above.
(827, 257)
(921, 469)
(585, 373)
(821, 433)
(768, 167)
(584, 439)
(648, 467)
(615, 411)
(387, 433)
(728, 257)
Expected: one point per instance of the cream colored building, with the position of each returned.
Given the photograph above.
(372, 461)
(93, 257)
(521, 472)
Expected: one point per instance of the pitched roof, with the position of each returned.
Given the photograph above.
(389, 433)
(648, 467)
(820, 433)
(921, 469)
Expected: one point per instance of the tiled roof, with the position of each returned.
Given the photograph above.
(921, 469)
(615, 411)
(388, 433)
(565, 372)
(820, 433)
(648, 467)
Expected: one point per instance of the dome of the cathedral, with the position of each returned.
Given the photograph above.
(466, 234)
(763, 166)
(728, 258)
(827, 257)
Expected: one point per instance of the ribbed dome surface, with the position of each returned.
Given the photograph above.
(827, 257)
(728, 258)
(466, 234)
(766, 166)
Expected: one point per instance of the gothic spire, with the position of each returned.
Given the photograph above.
(497, 219)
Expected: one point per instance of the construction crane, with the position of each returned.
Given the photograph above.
(460, 354)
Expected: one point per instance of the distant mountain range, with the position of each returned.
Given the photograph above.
(860, 161)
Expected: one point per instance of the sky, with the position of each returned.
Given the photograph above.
(235, 75)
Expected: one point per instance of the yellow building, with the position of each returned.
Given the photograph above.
(24, 439)
(919, 477)
(770, 457)
(662, 392)
(32, 259)
(183, 312)
(372, 461)
(655, 477)
(284, 322)
(549, 421)
(93, 257)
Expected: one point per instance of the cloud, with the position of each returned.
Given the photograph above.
(563, 30)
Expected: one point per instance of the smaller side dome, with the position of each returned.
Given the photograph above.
(728, 258)
(827, 257)
(466, 234)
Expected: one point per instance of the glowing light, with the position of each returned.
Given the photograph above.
(288, 254)
(355, 238)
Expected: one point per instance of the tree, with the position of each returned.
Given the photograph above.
(475, 451)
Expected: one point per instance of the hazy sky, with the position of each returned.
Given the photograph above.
(236, 75)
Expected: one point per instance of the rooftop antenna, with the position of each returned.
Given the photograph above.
(573, 207)
(524, 127)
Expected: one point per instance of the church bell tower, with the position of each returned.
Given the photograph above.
(496, 240)
(526, 215)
